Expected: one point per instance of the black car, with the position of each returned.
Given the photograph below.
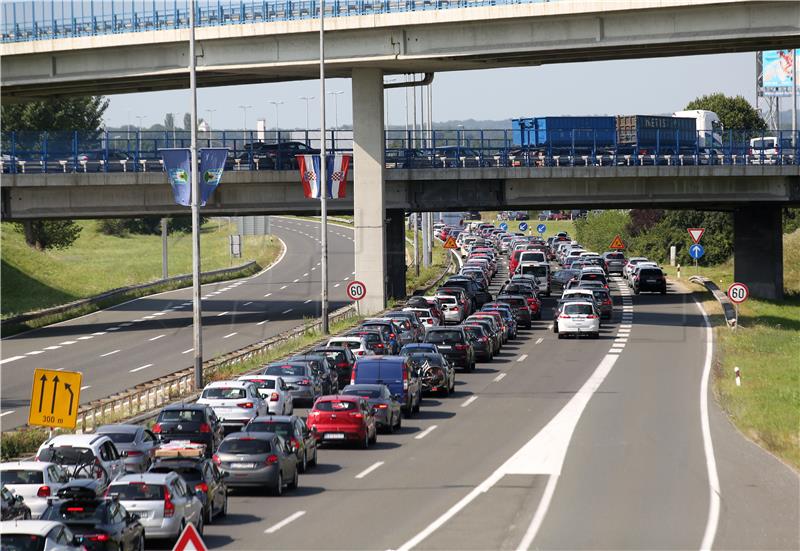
(478, 294)
(374, 338)
(13, 507)
(560, 278)
(291, 429)
(201, 474)
(272, 156)
(194, 422)
(650, 279)
(323, 368)
(342, 358)
(520, 306)
(454, 344)
(99, 523)
(435, 372)
(483, 343)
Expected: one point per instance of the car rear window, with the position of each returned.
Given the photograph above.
(23, 542)
(578, 309)
(184, 415)
(137, 491)
(284, 430)
(21, 476)
(67, 455)
(475, 330)
(286, 369)
(262, 383)
(646, 272)
(246, 446)
(364, 392)
(349, 344)
(437, 337)
(189, 474)
(224, 393)
(335, 405)
(120, 437)
(516, 302)
(448, 300)
(538, 271)
(615, 256)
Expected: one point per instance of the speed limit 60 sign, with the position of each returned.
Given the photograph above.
(738, 292)
(356, 290)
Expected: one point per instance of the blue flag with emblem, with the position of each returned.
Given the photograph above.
(178, 166)
(212, 163)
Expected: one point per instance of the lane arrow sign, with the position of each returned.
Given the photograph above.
(696, 234)
(68, 388)
(41, 392)
(55, 390)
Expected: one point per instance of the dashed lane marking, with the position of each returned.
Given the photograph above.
(34, 352)
(65, 343)
(522, 358)
(7, 413)
(187, 351)
(229, 335)
(85, 338)
(499, 378)
(291, 518)
(221, 314)
(140, 368)
(369, 469)
(157, 337)
(427, 431)
(262, 322)
(540, 340)
(267, 295)
(468, 401)
(52, 347)
(247, 303)
(286, 311)
(306, 302)
(109, 353)
(99, 333)
(85, 387)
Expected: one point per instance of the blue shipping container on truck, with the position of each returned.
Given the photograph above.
(564, 132)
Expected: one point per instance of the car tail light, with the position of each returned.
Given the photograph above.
(342, 365)
(564, 316)
(271, 459)
(246, 405)
(405, 377)
(205, 427)
(202, 487)
(357, 415)
(379, 345)
(607, 302)
(157, 428)
(359, 352)
(305, 382)
(460, 347)
(99, 537)
(217, 461)
(132, 453)
(274, 397)
(591, 317)
(295, 443)
(392, 335)
(44, 491)
(169, 507)
(74, 509)
(381, 406)
(484, 339)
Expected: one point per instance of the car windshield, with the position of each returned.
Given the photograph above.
(286, 369)
(224, 393)
(84, 512)
(120, 437)
(282, 429)
(365, 392)
(335, 405)
(21, 476)
(23, 542)
(578, 309)
(443, 336)
(245, 446)
(137, 491)
(66, 455)
(181, 415)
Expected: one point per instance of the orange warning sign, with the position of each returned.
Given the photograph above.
(450, 243)
(617, 244)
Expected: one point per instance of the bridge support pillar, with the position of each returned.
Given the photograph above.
(369, 206)
(396, 253)
(758, 250)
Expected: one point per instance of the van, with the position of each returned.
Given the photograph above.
(539, 270)
(394, 372)
(766, 151)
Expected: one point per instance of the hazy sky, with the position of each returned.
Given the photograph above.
(642, 86)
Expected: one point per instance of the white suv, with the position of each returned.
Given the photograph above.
(77, 453)
(234, 402)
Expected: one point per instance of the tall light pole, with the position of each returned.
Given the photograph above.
(139, 119)
(307, 99)
(197, 317)
(244, 109)
(323, 204)
(336, 95)
(210, 118)
(174, 127)
(277, 103)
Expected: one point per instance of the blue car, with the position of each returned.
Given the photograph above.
(397, 373)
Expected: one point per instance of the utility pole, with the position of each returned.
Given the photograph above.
(416, 243)
(244, 109)
(197, 314)
(794, 100)
(324, 170)
(307, 98)
(164, 257)
(277, 103)
(336, 95)
(210, 118)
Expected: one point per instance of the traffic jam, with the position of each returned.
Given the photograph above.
(132, 486)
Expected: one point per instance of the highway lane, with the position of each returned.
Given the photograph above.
(149, 337)
(634, 474)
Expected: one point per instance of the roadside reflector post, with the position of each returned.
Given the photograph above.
(738, 376)
(679, 271)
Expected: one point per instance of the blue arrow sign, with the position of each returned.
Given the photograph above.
(523, 226)
(503, 226)
(696, 251)
(541, 228)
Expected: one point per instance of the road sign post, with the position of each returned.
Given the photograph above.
(696, 251)
(356, 290)
(503, 226)
(190, 539)
(450, 243)
(696, 234)
(55, 396)
(523, 226)
(541, 228)
(737, 294)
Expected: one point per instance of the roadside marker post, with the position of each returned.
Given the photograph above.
(738, 376)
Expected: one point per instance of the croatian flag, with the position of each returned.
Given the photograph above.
(310, 170)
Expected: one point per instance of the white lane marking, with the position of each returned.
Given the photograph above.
(369, 469)
(60, 369)
(268, 294)
(708, 446)
(222, 314)
(140, 368)
(468, 401)
(426, 432)
(543, 454)
(230, 335)
(67, 342)
(305, 274)
(291, 518)
(626, 326)
(187, 351)
(34, 352)
(158, 337)
(109, 353)
(11, 359)
(306, 302)
(99, 333)
(126, 324)
(85, 338)
(337, 284)
(147, 318)
(247, 303)
(112, 328)
(353, 273)
(522, 358)
(85, 387)
(540, 340)
(215, 293)
(286, 311)
(283, 287)
(262, 322)
(158, 314)
(7, 413)
(296, 280)
(621, 339)
(52, 347)
(187, 303)
(499, 378)
(314, 268)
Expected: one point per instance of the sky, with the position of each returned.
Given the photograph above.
(642, 86)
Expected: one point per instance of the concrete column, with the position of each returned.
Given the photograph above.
(368, 187)
(758, 250)
(396, 253)
(426, 239)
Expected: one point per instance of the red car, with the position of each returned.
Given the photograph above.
(340, 418)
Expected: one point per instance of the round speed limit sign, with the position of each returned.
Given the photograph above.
(356, 290)
(738, 293)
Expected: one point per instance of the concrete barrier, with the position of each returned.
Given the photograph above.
(728, 309)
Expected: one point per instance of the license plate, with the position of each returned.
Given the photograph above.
(334, 436)
(651, 281)
(143, 514)
(243, 465)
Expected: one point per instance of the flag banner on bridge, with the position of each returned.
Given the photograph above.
(337, 166)
(212, 163)
(178, 166)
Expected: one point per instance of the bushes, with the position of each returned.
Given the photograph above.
(598, 229)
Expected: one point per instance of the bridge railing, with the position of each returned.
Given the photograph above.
(139, 151)
(50, 19)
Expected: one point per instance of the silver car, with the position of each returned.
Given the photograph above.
(163, 502)
(136, 445)
(258, 460)
(35, 481)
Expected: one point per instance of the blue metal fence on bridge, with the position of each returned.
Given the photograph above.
(138, 151)
(50, 19)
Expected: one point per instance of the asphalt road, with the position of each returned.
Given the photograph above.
(150, 337)
(562, 444)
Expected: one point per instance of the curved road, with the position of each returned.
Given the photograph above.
(150, 337)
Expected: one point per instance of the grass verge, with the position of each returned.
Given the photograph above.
(427, 274)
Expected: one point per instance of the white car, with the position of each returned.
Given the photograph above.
(357, 345)
(35, 481)
(425, 316)
(578, 318)
(235, 403)
(79, 453)
(47, 535)
(452, 312)
(632, 262)
(274, 391)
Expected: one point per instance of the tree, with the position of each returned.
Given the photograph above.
(642, 220)
(49, 234)
(187, 122)
(598, 230)
(735, 113)
(169, 121)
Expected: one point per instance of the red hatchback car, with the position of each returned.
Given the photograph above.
(340, 418)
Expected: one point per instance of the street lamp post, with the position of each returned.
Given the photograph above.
(336, 95)
(210, 118)
(244, 109)
(307, 99)
(197, 316)
(277, 103)
(324, 172)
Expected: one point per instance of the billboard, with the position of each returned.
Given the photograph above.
(774, 72)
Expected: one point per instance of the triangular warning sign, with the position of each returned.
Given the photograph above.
(190, 539)
(450, 243)
(696, 233)
(617, 243)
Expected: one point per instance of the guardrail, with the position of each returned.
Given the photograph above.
(728, 309)
(38, 314)
(34, 152)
